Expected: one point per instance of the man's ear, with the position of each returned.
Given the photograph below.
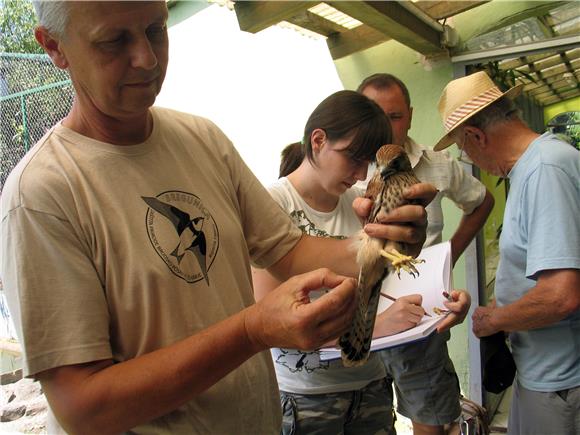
(478, 135)
(52, 46)
(317, 139)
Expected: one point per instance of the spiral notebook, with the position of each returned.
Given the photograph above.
(434, 278)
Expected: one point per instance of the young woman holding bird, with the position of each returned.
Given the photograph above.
(316, 189)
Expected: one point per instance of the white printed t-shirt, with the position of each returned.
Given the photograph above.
(302, 372)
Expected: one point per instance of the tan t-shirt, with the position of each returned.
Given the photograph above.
(115, 251)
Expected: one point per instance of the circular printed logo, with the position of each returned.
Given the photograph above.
(184, 234)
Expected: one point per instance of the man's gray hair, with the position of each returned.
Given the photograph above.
(53, 15)
(502, 110)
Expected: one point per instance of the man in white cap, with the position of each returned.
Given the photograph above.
(429, 405)
(537, 284)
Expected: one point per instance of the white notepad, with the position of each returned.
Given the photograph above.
(434, 278)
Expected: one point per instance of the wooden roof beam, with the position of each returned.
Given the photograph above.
(349, 42)
(340, 40)
(557, 70)
(445, 9)
(553, 61)
(254, 16)
(316, 23)
(532, 86)
(394, 21)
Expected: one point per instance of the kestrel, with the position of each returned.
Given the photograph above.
(378, 257)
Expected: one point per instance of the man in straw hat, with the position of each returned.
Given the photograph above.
(126, 236)
(537, 284)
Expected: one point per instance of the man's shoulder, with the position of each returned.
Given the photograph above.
(551, 150)
(172, 116)
(438, 157)
(547, 152)
(32, 175)
(437, 167)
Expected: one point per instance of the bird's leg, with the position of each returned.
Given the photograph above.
(401, 261)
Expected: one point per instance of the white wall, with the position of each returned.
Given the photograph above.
(259, 88)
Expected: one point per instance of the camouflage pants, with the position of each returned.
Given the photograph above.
(362, 412)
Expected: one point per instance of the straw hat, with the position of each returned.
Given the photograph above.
(464, 97)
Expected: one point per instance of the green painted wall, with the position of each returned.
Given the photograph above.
(564, 106)
(492, 228)
(424, 86)
(425, 81)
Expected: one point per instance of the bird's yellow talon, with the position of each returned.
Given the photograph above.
(400, 261)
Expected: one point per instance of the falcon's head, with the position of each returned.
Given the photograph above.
(392, 159)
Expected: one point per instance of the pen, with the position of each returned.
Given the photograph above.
(395, 300)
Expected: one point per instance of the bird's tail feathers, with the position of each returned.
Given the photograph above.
(356, 343)
(369, 258)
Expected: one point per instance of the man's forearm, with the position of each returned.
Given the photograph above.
(543, 305)
(315, 252)
(111, 398)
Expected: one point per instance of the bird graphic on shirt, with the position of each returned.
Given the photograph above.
(191, 235)
(377, 257)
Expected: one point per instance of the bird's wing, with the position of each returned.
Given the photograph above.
(177, 217)
(374, 190)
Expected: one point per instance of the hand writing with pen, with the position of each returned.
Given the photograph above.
(406, 312)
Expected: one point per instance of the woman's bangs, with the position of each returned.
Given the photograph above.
(367, 140)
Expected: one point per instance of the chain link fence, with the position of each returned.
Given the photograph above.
(34, 95)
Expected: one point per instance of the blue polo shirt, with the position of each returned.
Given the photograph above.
(541, 231)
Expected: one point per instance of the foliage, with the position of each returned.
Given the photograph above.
(566, 125)
(503, 78)
(17, 21)
(23, 70)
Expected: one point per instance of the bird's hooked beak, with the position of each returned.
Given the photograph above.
(387, 172)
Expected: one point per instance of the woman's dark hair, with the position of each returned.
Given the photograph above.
(344, 114)
(348, 114)
(291, 157)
